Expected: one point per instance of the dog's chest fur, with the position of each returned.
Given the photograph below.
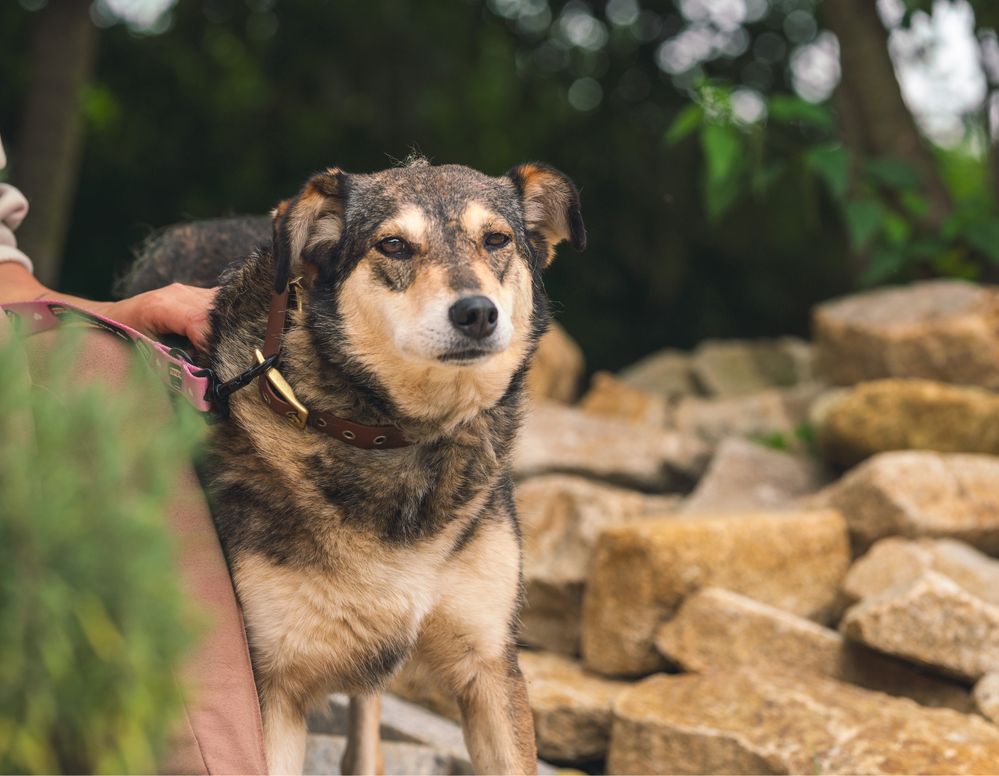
(315, 630)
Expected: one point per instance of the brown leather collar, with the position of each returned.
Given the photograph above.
(279, 396)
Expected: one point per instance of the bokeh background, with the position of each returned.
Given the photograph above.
(739, 160)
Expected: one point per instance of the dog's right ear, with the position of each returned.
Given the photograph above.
(311, 220)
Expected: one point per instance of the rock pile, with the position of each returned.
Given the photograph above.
(709, 587)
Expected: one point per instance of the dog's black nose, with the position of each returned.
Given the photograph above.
(474, 316)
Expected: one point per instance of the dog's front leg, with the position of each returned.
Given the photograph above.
(364, 753)
(284, 735)
(496, 717)
(469, 643)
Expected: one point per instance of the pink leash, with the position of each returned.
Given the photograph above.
(172, 365)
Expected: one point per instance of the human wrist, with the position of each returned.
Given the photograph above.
(17, 284)
(11, 255)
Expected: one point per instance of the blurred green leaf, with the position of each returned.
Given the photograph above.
(685, 124)
(786, 109)
(955, 263)
(722, 144)
(864, 220)
(893, 173)
(883, 265)
(984, 237)
(914, 203)
(896, 229)
(832, 164)
(766, 177)
(723, 152)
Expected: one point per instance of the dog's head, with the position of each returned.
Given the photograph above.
(428, 277)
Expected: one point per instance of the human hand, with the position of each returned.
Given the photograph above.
(173, 309)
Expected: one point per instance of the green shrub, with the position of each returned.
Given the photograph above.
(92, 619)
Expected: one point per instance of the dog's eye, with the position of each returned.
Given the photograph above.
(395, 248)
(496, 240)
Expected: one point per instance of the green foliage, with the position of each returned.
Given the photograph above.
(803, 440)
(880, 201)
(742, 159)
(92, 619)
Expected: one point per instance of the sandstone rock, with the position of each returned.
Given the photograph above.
(642, 570)
(612, 398)
(945, 330)
(931, 621)
(564, 439)
(986, 694)
(753, 722)
(894, 561)
(743, 475)
(561, 517)
(907, 415)
(572, 708)
(740, 367)
(667, 373)
(716, 629)
(774, 414)
(920, 494)
(558, 367)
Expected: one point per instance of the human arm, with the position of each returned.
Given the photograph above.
(173, 309)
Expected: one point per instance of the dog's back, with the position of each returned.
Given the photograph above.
(194, 253)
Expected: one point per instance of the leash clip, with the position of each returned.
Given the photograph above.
(219, 392)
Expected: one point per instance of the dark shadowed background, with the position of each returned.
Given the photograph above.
(739, 160)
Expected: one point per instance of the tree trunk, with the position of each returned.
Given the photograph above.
(46, 166)
(880, 122)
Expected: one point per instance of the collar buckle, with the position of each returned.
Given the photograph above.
(298, 414)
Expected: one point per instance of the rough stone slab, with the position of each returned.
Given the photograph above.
(558, 367)
(561, 517)
(946, 330)
(642, 570)
(896, 561)
(741, 367)
(749, 721)
(744, 475)
(716, 629)
(567, 440)
(855, 423)
(920, 494)
(770, 413)
(666, 372)
(933, 622)
(323, 754)
(610, 397)
(986, 695)
(572, 708)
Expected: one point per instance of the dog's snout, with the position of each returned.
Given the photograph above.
(474, 316)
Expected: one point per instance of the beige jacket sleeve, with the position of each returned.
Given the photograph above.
(13, 209)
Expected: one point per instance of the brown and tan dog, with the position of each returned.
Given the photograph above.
(421, 305)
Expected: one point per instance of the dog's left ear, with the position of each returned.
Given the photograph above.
(309, 225)
(551, 207)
